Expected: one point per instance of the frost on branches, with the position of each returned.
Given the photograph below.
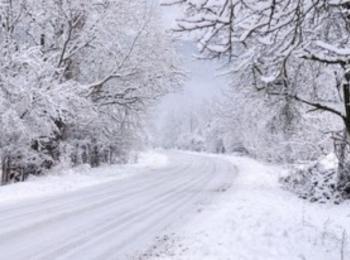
(278, 53)
(76, 81)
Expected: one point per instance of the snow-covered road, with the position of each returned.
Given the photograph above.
(114, 220)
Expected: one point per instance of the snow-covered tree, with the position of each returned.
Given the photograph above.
(77, 79)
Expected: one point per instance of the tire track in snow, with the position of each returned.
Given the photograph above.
(105, 193)
(100, 233)
(18, 230)
(63, 199)
(117, 221)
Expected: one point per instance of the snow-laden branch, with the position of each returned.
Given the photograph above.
(333, 49)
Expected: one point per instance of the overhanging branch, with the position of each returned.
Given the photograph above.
(315, 105)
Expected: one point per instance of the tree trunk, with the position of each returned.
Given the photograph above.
(343, 148)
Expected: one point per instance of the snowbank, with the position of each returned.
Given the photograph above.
(62, 180)
(257, 220)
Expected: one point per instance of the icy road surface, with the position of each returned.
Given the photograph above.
(114, 220)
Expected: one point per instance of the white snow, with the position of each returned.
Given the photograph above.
(269, 79)
(63, 179)
(257, 220)
(329, 162)
(152, 159)
(332, 48)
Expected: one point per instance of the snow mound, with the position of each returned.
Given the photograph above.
(316, 182)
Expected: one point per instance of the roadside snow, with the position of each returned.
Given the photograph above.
(257, 220)
(63, 179)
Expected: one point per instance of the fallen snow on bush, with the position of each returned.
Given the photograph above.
(257, 220)
(63, 179)
(316, 182)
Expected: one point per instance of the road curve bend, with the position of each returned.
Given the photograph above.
(114, 220)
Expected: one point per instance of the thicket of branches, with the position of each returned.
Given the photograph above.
(76, 80)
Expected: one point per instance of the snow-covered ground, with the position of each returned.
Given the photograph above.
(65, 179)
(174, 205)
(256, 220)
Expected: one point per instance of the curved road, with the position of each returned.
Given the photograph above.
(117, 220)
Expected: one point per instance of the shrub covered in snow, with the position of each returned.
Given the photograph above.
(317, 182)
